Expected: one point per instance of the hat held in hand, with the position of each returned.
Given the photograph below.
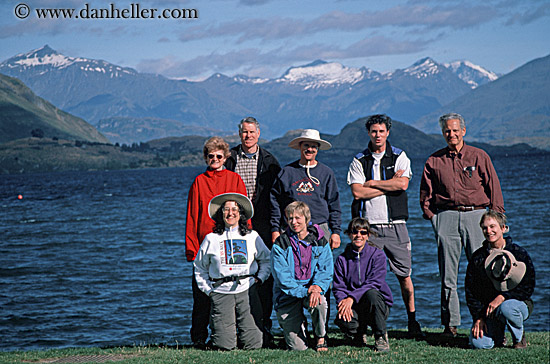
(504, 271)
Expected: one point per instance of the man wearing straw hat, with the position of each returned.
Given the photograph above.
(500, 280)
(312, 182)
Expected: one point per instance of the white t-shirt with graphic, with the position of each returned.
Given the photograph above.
(231, 254)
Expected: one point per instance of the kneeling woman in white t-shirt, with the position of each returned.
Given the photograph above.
(231, 260)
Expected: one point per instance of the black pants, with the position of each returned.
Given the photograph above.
(266, 298)
(201, 313)
(371, 310)
(265, 290)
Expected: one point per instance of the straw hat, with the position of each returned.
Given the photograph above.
(309, 135)
(217, 201)
(504, 271)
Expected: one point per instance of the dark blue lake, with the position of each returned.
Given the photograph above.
(97, 258)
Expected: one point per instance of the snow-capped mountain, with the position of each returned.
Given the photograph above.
(493, 111)
(423, 68)
(322, 74)
(87, 88)
(46, 59)
(470, 73)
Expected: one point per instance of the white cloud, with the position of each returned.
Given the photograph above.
(254, 61)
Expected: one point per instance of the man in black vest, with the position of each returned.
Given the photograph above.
(379, 177)
(258, 168)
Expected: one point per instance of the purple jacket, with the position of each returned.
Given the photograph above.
(356, 273)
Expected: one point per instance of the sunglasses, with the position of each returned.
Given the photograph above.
(362, 232)
(217, 156)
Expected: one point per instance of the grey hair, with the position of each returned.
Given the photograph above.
(249, 120)
(451, 116)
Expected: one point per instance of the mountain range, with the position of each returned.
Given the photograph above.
(119, 101)
(512, 109)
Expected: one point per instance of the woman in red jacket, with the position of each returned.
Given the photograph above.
(214, 181)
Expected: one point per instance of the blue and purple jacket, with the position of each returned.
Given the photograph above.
(297, 265)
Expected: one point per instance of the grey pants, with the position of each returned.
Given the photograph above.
(231, 316)
(294, 323)
(454, 230)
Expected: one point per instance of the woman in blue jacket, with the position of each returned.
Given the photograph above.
(363, 296)
(302, 266)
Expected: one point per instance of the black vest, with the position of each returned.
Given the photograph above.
(396, 200)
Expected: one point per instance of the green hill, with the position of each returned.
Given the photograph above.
(46, 154)
(21, 112)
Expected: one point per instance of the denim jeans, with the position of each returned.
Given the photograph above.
(511, 314)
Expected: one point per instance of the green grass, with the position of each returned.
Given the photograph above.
(433, 351)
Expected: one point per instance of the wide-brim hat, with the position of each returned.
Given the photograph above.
(217, 201)
(310, 135)
(504, 271)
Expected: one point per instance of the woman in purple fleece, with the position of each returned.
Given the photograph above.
(360, 288)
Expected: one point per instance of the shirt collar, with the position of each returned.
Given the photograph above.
(243, 154)
(451, 153)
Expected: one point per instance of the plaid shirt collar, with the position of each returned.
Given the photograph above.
(242, 154)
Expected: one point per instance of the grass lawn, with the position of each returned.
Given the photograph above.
(432, 350)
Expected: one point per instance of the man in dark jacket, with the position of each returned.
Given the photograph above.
(363, 296)
(258, 169)
(500, 280)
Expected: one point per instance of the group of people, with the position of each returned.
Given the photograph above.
(261, 238)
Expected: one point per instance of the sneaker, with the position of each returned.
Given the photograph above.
(522, 344)
(450, 332)
(381, 343)
(415, 331)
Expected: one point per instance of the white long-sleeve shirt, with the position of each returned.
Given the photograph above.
(231, 254)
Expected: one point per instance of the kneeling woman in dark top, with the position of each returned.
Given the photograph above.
(363, 296)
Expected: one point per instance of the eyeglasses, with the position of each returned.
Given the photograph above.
(232, 209)
(362, 232)
(217, 156)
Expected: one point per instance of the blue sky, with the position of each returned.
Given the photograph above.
(265, 37)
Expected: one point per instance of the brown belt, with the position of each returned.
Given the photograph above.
(465, 208)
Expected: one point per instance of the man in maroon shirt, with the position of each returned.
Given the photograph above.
(458, 184)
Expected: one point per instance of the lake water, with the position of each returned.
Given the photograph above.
(97, 258)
